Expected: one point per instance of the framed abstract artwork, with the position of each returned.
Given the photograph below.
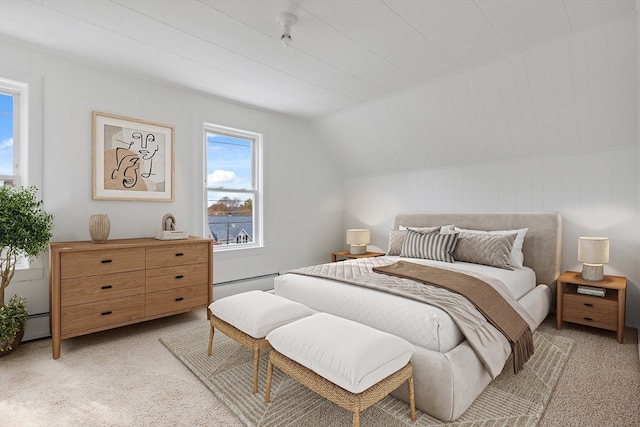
(133, 159)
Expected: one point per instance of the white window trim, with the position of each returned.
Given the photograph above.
(35, 268)
(258, 212)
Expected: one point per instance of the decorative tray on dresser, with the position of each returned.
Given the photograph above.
(95, 287)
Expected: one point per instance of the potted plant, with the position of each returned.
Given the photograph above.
(25, 231)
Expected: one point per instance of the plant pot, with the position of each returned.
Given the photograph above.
(16, 341)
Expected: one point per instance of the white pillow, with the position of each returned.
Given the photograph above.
(420, 229)
(517, 256)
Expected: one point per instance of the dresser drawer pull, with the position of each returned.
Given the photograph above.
(588, 305)
(106, 313)
(106, 287)
(589, 319)
(180, 276)
(106, 261)
(179, 298)
(179, 254)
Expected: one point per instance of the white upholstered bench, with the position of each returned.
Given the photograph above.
(249, 316)
(350, 364)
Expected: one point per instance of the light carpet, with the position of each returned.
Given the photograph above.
(509, 400)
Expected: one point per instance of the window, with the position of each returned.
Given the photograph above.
(13, 141)
(9, 155)
(233, 187)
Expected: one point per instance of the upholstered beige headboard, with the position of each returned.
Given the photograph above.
(542, 245)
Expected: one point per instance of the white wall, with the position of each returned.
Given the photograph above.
(303, 192)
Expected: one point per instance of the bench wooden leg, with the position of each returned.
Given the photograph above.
(256, 366)
(267, 392)
(210, 341)
(356, 418)
(412, 398)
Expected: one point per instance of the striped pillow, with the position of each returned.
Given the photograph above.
(433, 246)
(396, 238)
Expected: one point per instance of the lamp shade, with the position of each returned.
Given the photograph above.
(593, 250)
(358, 236)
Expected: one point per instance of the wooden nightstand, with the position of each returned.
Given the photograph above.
(600, 312)
(346, 254)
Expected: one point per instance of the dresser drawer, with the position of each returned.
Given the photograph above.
(93, 263)
(176, 300)
(177, 277)
(179, 254)
(81, 290)
(102, 314)
(592, 311)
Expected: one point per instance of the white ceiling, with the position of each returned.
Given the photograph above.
(343, 54)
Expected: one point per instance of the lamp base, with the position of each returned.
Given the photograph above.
(593, 273)
(358, 249)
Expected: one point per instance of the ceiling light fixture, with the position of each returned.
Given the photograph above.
(286, 20)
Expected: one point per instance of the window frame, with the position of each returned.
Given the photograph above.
(25, 269)
(256, 191)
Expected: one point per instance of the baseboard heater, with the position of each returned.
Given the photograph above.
(262, 282)
(37, 327)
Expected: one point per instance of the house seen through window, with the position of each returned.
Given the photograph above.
(234, 194)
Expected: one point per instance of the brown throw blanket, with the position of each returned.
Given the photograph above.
(483, 296)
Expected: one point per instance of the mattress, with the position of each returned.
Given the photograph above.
(419, 323)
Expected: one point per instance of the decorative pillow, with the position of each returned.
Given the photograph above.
(485, 248)
(517, 256)
(433, 246)
(420, 229)
(447, 229)
(396, 238)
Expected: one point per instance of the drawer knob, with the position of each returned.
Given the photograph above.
(106, 261)
(589, 319)
(588, 304)
(180, 276)
(179, 254)
(106, 313)
(107, 287)
(179, 298)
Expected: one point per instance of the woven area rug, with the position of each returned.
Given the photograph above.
(510, 400)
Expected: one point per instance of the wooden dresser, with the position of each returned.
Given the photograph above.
(94, 287)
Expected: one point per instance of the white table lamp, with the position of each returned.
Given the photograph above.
(593, 253)
(358, 238)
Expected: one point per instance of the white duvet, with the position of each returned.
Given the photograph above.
(417, 322)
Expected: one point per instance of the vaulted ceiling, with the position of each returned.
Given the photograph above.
(343, 53)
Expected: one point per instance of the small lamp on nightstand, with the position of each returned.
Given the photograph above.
(593, 253)
(358, 238)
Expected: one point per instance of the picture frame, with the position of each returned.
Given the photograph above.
(133, 159)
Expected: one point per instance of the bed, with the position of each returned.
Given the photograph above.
(448, 373)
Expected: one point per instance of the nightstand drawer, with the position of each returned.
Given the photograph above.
(81, 290)
(176, 300)
(590, 303)
(598, 320)
(78, 319)
(592, 311)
